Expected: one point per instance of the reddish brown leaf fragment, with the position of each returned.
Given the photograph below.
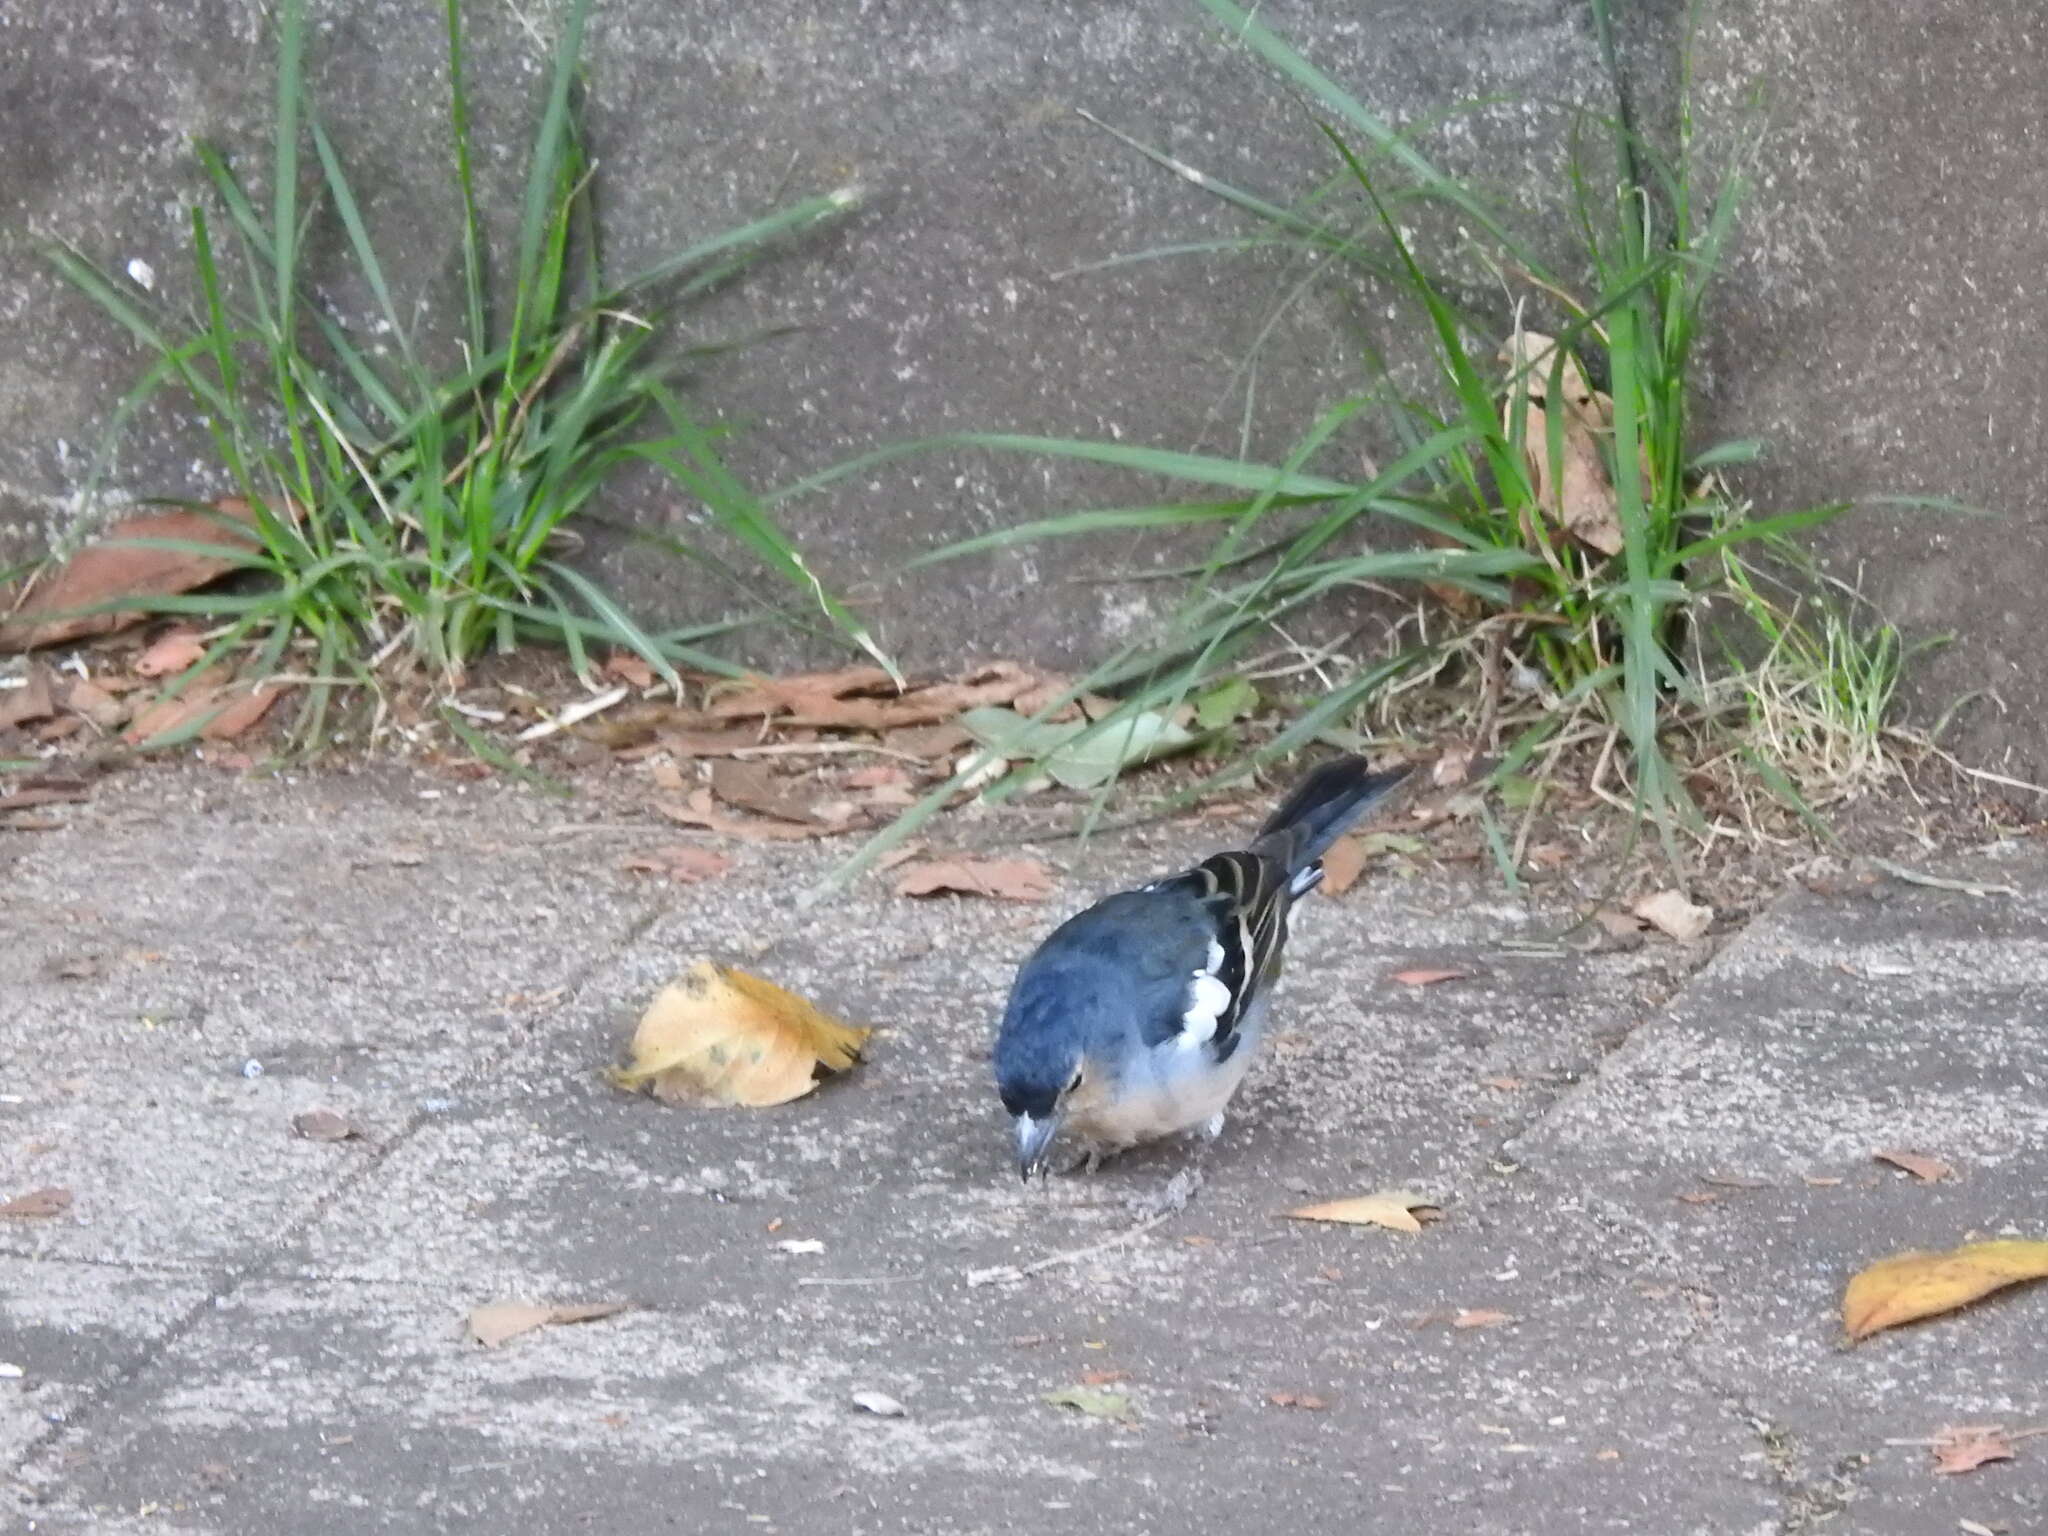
(38, 1204)
(113, 570)
(1008, 879)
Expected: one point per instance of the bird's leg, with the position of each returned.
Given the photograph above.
(1212, 1128)
(1091, 1157)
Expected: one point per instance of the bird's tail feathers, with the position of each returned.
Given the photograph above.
(1321, 807)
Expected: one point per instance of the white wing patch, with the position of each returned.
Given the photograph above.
(1208, 1000)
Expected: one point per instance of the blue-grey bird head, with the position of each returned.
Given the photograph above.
(1041, 1059)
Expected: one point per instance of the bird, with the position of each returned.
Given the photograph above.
(1137, 1018)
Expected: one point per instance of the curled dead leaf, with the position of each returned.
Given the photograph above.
(1571, 482)
(1910, 1286)
(1670, 912)
(1390, 1208)
(494, 1324)
(1008, 879)
(720, 1035)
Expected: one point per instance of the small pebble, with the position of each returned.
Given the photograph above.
(880, 1404)
(252, 1068)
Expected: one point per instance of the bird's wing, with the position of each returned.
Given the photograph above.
(1237, 904)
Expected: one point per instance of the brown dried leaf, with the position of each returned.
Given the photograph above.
(933, 743)
(37, 1204)
(684, 863)
(1390, 1208)
(1966, 1447)
(864, 698)
(721, 1035)
(878, 776)
(1306, 1401)
(1619, 924)
(1481, 1317)
(1674, 915)
(1910, 1286)
(810, 692)
(753, 788)
(170, 653)
(1007, 879)
(1425, 977)
(161, 717)
(698, 811)
(1927, 1170)
(110, 570)
(324, 1125)
(30, 702)
(709, 743)
(243, 710)
(666, 775)
(625, 667)
(1103, 1378)
(1573, 490)
(494, 1324)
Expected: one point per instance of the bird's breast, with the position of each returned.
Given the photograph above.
(1168, 1091)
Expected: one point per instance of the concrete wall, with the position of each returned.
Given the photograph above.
(1879, 330)
(1885, 322)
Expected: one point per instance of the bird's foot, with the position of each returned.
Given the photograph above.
(1091, 1158)
(1213, 1126)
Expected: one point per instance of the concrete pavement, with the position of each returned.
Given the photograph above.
(237, 1330)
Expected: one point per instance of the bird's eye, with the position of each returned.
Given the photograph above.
(1075, 1081)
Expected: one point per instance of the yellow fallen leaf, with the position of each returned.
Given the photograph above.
(720, 1035)
(1915, 1285)
(1389, 1208)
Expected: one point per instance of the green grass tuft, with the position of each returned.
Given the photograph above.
(413, 517)
(1561, 639)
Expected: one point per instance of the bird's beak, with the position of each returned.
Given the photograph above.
(1034, 1143)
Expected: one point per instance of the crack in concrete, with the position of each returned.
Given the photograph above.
(262, 1262)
